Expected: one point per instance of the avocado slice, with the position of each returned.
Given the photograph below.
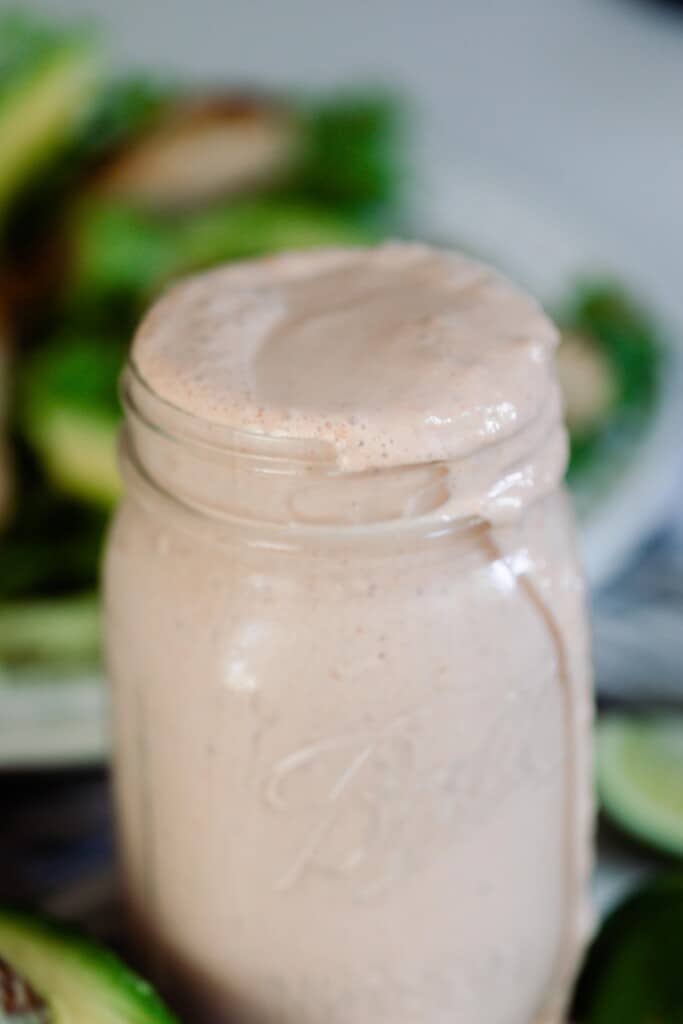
(71, 415)
(65, 979)
(47, 87)
(78, 451)
(19, 1004)
(64, 631)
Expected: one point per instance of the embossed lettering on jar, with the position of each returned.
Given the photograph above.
(346, 636)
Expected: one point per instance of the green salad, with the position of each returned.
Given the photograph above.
(111, 187)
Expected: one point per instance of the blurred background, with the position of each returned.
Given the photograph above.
(139, 142)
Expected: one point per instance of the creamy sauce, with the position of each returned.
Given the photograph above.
(349, 653)
(394, 356)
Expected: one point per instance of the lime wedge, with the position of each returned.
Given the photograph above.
(640, 776)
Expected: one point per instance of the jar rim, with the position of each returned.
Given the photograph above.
(159, 414)
(426, 530)
(229, 472)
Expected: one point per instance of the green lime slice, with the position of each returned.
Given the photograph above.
(640, 776)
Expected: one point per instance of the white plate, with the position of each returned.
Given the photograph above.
(58, 723)
(52, 723)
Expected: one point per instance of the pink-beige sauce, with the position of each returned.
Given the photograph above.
(347, 640)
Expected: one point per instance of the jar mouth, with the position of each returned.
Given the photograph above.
(282, 482)
(230, 473)
(139, 399)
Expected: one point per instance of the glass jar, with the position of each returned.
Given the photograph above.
(351, 734)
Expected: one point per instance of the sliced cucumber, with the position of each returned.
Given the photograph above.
(78, 982)
(47, 87)
(63, 631)
(640, 777)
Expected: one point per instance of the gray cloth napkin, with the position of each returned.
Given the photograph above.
(638, 626)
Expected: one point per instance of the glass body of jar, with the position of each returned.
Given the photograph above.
(351, 743)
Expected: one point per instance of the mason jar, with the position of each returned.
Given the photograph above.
(351, 733)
